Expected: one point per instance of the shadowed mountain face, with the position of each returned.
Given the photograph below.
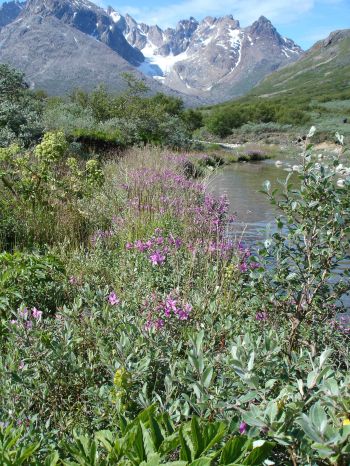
(61, 44)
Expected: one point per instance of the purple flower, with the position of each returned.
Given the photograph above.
(29, 324)
(36, 313)
(243, 267)
(23, 313)
(129, 246)
(140, 246)
(73, 280)
(113, 299)
(157, 258)
(254, 265)
(243, 427)
(261, 316)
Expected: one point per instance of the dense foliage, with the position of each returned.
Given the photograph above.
(137, 332)
(20, 111)
(134, 328)
(224, 119)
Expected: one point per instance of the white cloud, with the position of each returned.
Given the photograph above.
(247, 11)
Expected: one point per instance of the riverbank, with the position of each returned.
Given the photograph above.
(132, 326)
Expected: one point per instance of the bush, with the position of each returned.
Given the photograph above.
(32, 280)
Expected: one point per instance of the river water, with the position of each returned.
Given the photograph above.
(241, 183)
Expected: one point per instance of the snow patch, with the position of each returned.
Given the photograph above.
(156, 65)
(115, 16)
(284, 50)
(236, 37)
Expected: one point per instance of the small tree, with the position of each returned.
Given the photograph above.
(312, 238)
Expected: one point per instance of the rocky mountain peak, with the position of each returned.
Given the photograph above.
(215, 57)
(9, 11)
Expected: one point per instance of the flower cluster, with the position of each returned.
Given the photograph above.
(160, 310)
(101, 235)
(157, 247)
(26, 317)
(113, 299)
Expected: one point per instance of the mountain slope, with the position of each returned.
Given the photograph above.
(214, 58)
(324, 69)
(9, 12)
(211, 60)
(57, 58)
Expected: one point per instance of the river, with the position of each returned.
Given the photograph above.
(241, 183)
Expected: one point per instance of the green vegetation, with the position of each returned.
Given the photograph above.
(134, 331)
(315, 88)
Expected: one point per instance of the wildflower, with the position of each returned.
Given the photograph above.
(128, 246)
(113, 299)
(261, 316)
(243, 267)
(23, 313)
(243, 427)
(13, 322)
(254, 265)
(36, 313)
(159, 324)
(29, 324)
(157, 258)
(140, 246)
(346, 422)
(21, 365)
(73, 280)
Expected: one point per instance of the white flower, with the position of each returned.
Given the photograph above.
(340, 138)
(311, 132)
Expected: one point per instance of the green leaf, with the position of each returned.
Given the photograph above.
(201, 462)
(197, 438)
(52, 459)
(156, 433)
(185, 450)
(233, 449)
(259, 453)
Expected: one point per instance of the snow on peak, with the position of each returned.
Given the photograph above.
(115, 16)
(157, 65)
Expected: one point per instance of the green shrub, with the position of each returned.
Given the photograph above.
(32, 280)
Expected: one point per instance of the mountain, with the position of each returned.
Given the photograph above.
(215, 58)
(61, 44)
(9, 12)
(324, 70)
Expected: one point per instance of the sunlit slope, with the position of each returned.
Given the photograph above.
(323, 71)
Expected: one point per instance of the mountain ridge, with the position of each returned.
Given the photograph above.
(208, 61)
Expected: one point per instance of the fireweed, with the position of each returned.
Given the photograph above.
(155, 317)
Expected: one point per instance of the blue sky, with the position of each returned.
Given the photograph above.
(304, 21)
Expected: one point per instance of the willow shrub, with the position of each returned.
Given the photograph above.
(162, 309)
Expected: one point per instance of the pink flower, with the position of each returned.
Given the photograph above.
(243, 267)
(73, 280)
(21, 365)
(36, 313)
(23, 313)
(128, 246)
(113, 299)
(157, 258)
(243, 427)
(261, 315)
